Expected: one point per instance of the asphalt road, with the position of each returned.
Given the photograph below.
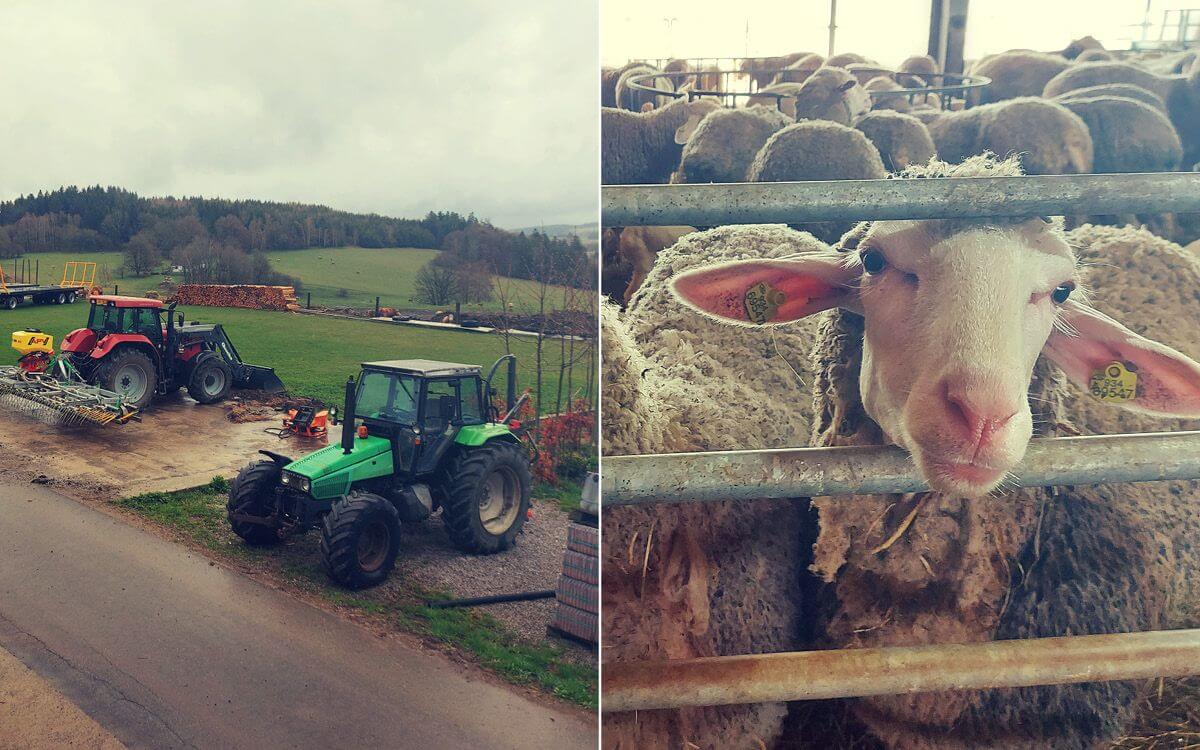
(165, 650)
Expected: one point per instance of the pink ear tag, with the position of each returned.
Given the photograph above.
(1116, 382)
(762, 302)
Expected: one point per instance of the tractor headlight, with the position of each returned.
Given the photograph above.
(296, 482)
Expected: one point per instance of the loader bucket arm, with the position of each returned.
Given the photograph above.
(254, 377)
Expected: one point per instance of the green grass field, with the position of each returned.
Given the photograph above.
(387, 273)
(363, 273)
(313, 355)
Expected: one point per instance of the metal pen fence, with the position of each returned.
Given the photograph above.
(950, 90)
(807, 472)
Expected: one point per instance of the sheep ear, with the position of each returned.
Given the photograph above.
(698, 109)
(1118, 366)
(769, 292)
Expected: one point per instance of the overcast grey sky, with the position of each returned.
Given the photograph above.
(363, 105)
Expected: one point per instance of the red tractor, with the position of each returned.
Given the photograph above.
(141, 348)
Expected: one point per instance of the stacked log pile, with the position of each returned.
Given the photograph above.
(238, 295)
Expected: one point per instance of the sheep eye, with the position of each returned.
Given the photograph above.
(873, 261)
(1061, 292)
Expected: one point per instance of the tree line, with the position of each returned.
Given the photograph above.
(215, 240)
(473, 255)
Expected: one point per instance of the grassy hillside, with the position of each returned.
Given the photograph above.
(313, 355)
(387, 273)
(363, 273)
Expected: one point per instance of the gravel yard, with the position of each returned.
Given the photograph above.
(533, 564)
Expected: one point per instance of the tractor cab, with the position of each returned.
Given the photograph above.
(111, 314)
(420, 406)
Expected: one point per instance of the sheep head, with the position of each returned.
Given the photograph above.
(955, 316)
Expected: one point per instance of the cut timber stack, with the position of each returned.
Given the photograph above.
(238, 295)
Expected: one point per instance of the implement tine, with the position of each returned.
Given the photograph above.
(70, 404)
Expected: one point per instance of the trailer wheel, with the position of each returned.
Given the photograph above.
(250, 492)
(61, 299)
(10, 303)
(211, 379)
(360, 538)
(70, 298)
(129, 372)
(487, 491)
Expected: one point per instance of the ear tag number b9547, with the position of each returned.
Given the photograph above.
(1116, 382)
(762, 302)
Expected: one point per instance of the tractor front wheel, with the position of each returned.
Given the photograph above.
(360, 538)
(487, 497)
(251, 493)
(211, 379)
(131, 373)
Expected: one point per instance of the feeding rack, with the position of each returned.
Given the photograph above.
(737, 87)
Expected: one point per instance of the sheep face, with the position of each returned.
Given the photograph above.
(955, 317)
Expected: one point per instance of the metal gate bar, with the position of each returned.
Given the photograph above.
(864, 470)
(852, 673)
(855, 200)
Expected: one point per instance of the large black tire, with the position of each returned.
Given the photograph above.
(127, 371)
(360, 538)
(211, 379)
(251, 492)
(474, 521)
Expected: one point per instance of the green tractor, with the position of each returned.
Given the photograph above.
(417, 435)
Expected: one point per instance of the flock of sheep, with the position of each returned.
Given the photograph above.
(1074, 112)
(900, 351)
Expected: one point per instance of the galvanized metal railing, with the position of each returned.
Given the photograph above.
(806, 472)
(865, 470)
(854, 200)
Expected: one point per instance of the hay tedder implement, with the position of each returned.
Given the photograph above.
(132, 350)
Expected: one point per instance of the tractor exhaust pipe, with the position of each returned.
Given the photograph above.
(348, 420)
(511, 387)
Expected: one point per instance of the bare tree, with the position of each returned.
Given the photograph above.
(473, 282)
(141, 254)
(435, 285)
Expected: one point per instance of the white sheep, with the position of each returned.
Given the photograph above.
(957, 340)
(644, 147)
(685, 580)
(725, 143)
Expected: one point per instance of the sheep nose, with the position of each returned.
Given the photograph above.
(976, 409)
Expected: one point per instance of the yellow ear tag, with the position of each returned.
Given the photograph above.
(1115, 383)
(762, 302)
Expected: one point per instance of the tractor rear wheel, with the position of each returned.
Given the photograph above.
(211, 379)
(131, 373)
(487, 497)
(251, 493)
(360, 538)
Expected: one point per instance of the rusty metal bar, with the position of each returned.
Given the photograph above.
(850, 673)
(855, 200)
(863, 470)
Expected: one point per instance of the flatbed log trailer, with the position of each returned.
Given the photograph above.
(12, 295)
(78, 281)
